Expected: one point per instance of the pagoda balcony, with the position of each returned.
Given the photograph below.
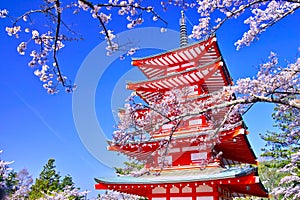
(166, 132)
(191, 148)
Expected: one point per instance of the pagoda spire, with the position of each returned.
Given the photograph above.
(183, 33)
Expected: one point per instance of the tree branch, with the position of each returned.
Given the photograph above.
(250, 100)
(135, 5)
(57, 3)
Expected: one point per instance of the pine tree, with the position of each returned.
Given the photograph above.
(67, 181)
(281, 144)
(282, 153)
(49, 182)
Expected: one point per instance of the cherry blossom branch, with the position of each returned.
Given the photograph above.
(57, 3)
(264, 14)
(217, 130)
(102, 17)
(43, 11)
(136, 6)
(236, 12)
(28, 13)
(92, 6)
(48, 42)
(254, 99)
(287, 93)
(166, 145)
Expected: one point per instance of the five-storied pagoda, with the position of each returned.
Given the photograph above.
(182, 173)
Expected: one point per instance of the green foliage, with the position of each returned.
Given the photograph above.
(281, 144)
(269, 175)
(280, 147)
(50, 181)
(67, 181)
(47, 181)
(129, 167)
(11, 182)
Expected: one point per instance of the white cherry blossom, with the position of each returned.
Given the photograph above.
(3, 13)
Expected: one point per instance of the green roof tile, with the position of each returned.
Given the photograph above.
(176, 176)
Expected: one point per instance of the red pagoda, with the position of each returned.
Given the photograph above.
(191, 169)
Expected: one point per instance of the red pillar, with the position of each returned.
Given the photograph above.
(194, 195)
(216, 192)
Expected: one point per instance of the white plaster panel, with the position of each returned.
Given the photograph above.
(181, 198)
(199, 156)
(186, 189)
(159, 190)
(204, 188)
(174, 190)
(195, 122)
(191, 148)
(205, 198)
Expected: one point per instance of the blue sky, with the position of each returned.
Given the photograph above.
(35, 126)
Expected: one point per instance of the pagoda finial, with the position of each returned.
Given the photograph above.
(183, 34)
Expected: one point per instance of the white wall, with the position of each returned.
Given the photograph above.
(181, 198)
(205, 198)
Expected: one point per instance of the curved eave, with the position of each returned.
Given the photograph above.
(133, 85)
(210, 77)
(178, 59)
(200, 52)
(256, 189)
(139, 152)
(147, 58)
(237, 149)
(185, 176)
(242, 181)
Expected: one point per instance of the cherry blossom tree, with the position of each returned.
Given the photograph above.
(22, 185)
(68, 192)
(44, 44)
(289, 185)
(14, 186)
(6, 177)
(282, 153)
(274, 83)
(112, 195)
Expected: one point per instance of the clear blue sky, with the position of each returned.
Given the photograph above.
(35, 126)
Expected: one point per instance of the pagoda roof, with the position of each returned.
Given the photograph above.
(233, 177)
(210, 77)
(237, 149)
(160, 64)
(180, 176)
(234, 145)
